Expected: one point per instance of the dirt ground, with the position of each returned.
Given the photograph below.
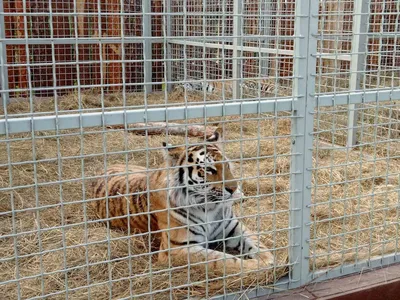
(50, 243)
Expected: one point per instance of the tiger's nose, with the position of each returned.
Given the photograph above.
(230, 189)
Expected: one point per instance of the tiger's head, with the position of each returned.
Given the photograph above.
(202, 172)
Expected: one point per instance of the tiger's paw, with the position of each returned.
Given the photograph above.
(260, 261)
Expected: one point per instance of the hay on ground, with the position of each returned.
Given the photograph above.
(49, 229)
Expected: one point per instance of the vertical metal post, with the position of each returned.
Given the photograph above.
(357, 64)
(147, 44)
(168, 64)
(305, 49)
(5, 95)
(265, 26)
(236, 53)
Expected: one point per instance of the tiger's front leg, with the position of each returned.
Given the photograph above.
(183, 251)
(239, 239)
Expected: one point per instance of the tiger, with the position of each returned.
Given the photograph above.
(195, 86)
(249, 86)
(187, 202)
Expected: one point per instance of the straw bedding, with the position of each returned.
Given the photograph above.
(354, 216)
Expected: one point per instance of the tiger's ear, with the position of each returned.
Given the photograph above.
(217, 136)
(171, 153)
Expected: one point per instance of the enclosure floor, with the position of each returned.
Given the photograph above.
(62, 240)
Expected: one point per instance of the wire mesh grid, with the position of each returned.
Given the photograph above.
(240, 51)
(54, 245)
(355, 192)
(88, 85)
(354, 214)
(63, 238)
(364, 58)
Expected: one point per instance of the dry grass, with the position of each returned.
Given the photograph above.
(91, 100)
(355, 212)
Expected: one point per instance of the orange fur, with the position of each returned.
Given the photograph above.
(135, 200)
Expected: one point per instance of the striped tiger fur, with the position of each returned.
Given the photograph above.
(266, 86)
(249, 86)
(196, 86)
(198, 230)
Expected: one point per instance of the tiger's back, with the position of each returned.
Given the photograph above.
(117, 191)
(267, 86)
(188, 201)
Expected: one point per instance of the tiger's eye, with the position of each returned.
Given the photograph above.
(213, 171)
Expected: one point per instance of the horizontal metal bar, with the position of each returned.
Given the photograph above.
(107, 61)
(130, 39)
(359, 97)
(335, 56)
(343, 57)
(79, 41)
(364, 265)
(230, 47)
(109, 13)
(103, 40)
(176, 40)
(73, 121)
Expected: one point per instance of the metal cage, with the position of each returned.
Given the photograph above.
(305, 91)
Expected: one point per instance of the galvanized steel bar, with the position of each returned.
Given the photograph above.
(236, 47)
(73, 121)
(305, 47)
(266, 49)
(168, 35)
(361, 97)
(90, 119)
(5, 95)
(357, 64)
(147, 46)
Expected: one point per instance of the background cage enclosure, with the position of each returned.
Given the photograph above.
(305, 91)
